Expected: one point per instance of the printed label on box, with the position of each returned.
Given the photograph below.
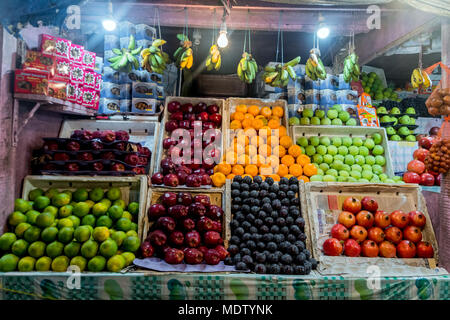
(109, 106)
(76, 53)
(90, 79)
(143, 90)
(89, 59)
(366, 113)
(98, 81)
(312, 96)
(77, 73)
(32, 82)
(143, 105)
(39, 62)
(111, 75)
(57, 89)
(88, 98)
(62, 69)
(111, 90)
(72, 91)
(62, 48)
(48, 44)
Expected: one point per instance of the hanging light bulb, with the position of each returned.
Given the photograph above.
(323, 31)
(222, 41)
(109, 24)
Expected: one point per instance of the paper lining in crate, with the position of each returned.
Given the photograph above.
(323, 204)
(164, 134)
(132, 188)
(143, 132)
(345, 131)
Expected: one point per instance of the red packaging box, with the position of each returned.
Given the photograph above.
(90, 79)
(89, 98)
(77, 73)
(98, 81)
(76, 53)
(37, 61)
(89, 60)
(73, 92)
(62, 69)
(57, 89)
(62, 48)
(48, 44)
(31, 82)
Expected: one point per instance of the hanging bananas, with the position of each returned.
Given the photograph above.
(351, 68)
(125, 59)
(153, 59)
(184, 55)
(314, 67)
(247, 68)
(214, 59)
(420, 78)
(278, 76)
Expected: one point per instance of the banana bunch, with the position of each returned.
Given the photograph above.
(351, 68)
(278, 76)
(314, 67)
(247, 68)
(420, 78)
(155, 60)
(183, 55)
(125, 59)
(214, 60)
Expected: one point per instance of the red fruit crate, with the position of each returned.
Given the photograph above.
(322, 204)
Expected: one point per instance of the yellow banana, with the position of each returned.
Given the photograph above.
(426, 79)
(218, 64)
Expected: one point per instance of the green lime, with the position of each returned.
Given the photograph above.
(32, 234)
(50, 193)
(116, 263)
(72, 249)
(52, 209)
(114, 194)
(80, 195)
(26, 264)
(75, 220)
(123, 224)
(96, 194)
(21, 205)
(49, 234)
(61, 199)
(100, 234)
(132, 233)
(131, 243)
(82, 233)
(104, 221)
(133, 208)
(43, 264)
(8, 262)
(88, 220)
(106, 202)
(16, 217)
(115, 212)
(120, 203)
(65, 211)
(80, 262)
(108, 248)
(99, 209)
(118, 237)
(69, 193)
(96, 264)
(54, 249)
(89, 249)
(41, 202)
(35, 193)
(6, 241)
(32, 216)
(129, 258)
(66, 222)
(60, 264)
(81, 209)
(134, 226)
(65, 235)
(90, 203)
(19, 247)
(21, 228)
(36, 249)
(127, 215)
(45, 220)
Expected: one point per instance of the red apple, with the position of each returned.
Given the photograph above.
(147, 249)
(169, 199)
(108, 136)
(132, 159)
(212, 257)
(97, 166)
(73, 146)
(169, 142)
(156, 210)
(157, 178)
(213, 109)
(171, 180)
(192, 239)
(411, 177)
(212, 238)
(188, 224)
(193, 256)
(176, 238)
(214, 212)
(200, 107)
(425, 143)
(157, 238)
(420, 154)
(61, 156)
(166, 223)
(177, 116)
(187, 108)
(173, 256)
(416, 166)
(122, 135)
(216, 119)
(427, 179)
(184, 198)
(203, 116)
(173, 106)
(222, 252)
(171, 125)
(178, 211)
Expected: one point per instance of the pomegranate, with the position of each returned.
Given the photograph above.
(340, 232)
(369, 204)
(411, 177)
(426, 179)
(358, 233)
(376, 234)
(425, 250)
(417, 218)
(406, 249)
(416, 166)
(370, 249)
(393, 234)
(332, 247)
(412, 233)
(382, 219)
(352, 248)
(399, 219)
(365, 219)
(387, 249)
(347, 219)
(352, 205)
(420, 154)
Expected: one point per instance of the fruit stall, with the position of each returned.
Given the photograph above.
(154, 151)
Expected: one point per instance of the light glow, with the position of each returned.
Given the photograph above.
(323, 32)
(222, 41)
(109, 24)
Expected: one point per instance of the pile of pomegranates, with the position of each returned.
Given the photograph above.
(185, 227)
(363, 230)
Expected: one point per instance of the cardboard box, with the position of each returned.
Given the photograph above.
(98, 81)
(125, 105)
(89, 60)
(32, 82)
(142, 105)
(347, 97)
(152, 77)
(342, 84)
(328, 97)
(62, 48)
(76, 53)
(310, 84)
(109, 106)
(312, 96)
(107, 55)
(331, 83)
(37, 61)
(47, 44)
(111, 75)
(77, 73)
(111, 90)
(88, 98)
(73, 92)
(130, 77)
(90, 79)
(143, 90)
(57, 89)
(98, 64)
(62, 69)
(126, 29)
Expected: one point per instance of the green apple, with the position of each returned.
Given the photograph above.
(336, 141)
(337, 107)
(400, 182)
(302, 141)
(412, 121)
(332, 172)
(396, 137)
(337, 164)
(349, 159)
(351, 122)
(344, 116)
(385, 119)
(315, 121)
(332, 150)
(363, 151)
(325, 141)
(404, 131)
(377, 138)
(314, 141)
(353, 150)
(381, 110)
(356, 167)
(328, 158)
(325, 122)
(324, 166)
(370, 160)
(360, 160)
(328, 178)
(347, 141)
(316, 178)
(411, 138)
(375, 179)
(294, 121)
(317, 158)
(397, 178)
(305, 121)
(344, 173)
(390, 131)
(339, 157)
(358, 142)
(369, 143)
(343, 150)
(366, 174)
(378, 150)
(310, 150)
(336, 122)
(362, 180)
(366, 167)
(347, 168)
(342, 179)
(332, 114)
(319, 113)
(395, 110)
(308, 113)
(322, 150)
(320, 172)
(351, 179)
(410, 110)
(388, 181)
(395, 120)
(404, 119)
(383, 176)
(355, 174)
(377, 169)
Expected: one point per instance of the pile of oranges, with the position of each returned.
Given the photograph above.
(260, 145)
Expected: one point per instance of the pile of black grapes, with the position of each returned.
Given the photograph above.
(267, 228)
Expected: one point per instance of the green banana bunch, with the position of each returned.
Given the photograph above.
(315, 68)
(183, 56)
(278, 76)
(247, 68)
(153, 59)
(214, 59)
(125, 59)
(351, 68)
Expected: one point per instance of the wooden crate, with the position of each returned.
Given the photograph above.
(133, 188)
(336, 131)
(217, 197)
(323, 203)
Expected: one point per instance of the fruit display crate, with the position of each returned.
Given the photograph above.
(132, 188)
(352, 132)
(164, 134)
(143, 132)
(323, 206)
(233, 102)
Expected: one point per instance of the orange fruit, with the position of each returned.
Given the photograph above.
(273, 160)
(265, 170)
(257, 141)
(273, 124)
(262, 118)
(259, 160)
(250, 132)
(254, 110)
(295, 150)
(288, 160)
(303, 159)
(251, 150)
(283, 170)
(248, 116)
(273, 140)
(282, 131)
(279, 151)
(238, 116)
(238, 148)
(265, 132)
(242, 139)
(247, 123)
(251, 169)
(274, 118)
(225, 168)
(266, 112)
(218, 179)
(264, 150)
(238, 170)
(275, 177)
(257, 124)
(309, 170)
(235, 124)
(230, 176)
(231, 157)
(304, 178)
(286, 141)
(216, 169)
(278, 111)
(296, 170)
(241, 108)
(243, 159)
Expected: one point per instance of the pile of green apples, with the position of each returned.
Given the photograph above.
(395, 117)
(335, 116)
(373, 85)
(345, 159)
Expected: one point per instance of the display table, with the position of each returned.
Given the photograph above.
(150, 285)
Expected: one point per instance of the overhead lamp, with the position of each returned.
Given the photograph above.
(222, 41)
(323, 31)
(109, 24)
